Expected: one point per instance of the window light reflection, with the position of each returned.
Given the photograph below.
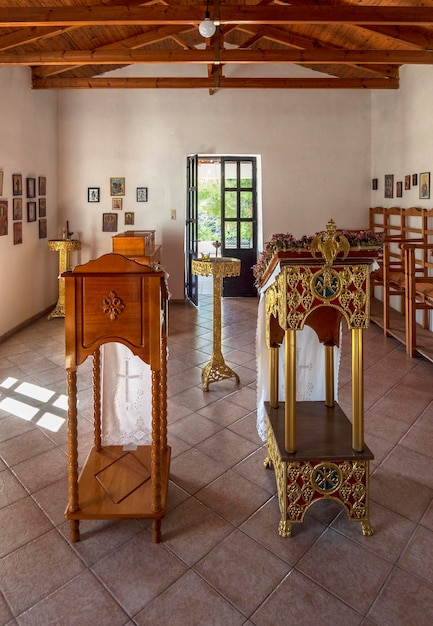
(35, 392)
(19, 409)
(51, 422)
(8, 382)
(39, 415)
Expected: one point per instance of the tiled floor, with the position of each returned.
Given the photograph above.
(222, 561)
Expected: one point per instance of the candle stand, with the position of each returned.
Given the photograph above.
(219, 268)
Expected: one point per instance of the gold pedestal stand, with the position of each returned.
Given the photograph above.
(64, 247)
(219, 268)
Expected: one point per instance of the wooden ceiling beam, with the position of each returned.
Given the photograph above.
(209, 83)
(119, 56)
(23, 36)
(229, 14)
(131, 43)
(288, 38)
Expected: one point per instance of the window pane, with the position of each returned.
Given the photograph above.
(230, 198)
(230, 174)
(231, 231)
(246, 204)
(246, 235)
(246, 174)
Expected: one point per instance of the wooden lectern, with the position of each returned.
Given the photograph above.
(115, 299)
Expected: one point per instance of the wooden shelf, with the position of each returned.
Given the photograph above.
(322, 433)
(95, 501)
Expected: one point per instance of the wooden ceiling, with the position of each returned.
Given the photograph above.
(351, 44)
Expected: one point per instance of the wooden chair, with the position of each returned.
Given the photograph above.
(418, 283)
(397, 226)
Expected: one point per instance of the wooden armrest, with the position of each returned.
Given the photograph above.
(417, 246)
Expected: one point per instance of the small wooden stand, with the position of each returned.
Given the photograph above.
(117, 299)
(315, 451)
(138, 245)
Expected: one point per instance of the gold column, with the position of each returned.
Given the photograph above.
(274, 376)
(290, 406)
(329, 376)
(357, 391)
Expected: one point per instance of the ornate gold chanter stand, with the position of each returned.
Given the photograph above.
(64, 247)
(219, 268)
(315, 451)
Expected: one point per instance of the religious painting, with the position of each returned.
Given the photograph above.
(389, 185)
(31, 211)
(31, 187)
(407, 182)
(399, 189)
(141, 194)
(42, 185)
(3, 217)
(93, 194)
(424, 186)
(42, 207)
(109, 222)
(414, 179)
(42, 229)
(18, 232)
(117, 186)
(17, 185)
(17, 209)
(374, 184)
(117, 204)
(129, 218)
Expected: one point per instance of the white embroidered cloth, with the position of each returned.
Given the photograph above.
(126, 397)
(310, 364)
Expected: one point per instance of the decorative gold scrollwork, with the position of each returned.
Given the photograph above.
(112, 306)
(329, 243)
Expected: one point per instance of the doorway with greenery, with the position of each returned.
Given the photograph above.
(222, 209)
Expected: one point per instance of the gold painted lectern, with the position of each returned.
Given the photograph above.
(315, 451)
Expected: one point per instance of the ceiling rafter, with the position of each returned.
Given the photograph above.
(156, 35)
(207, 83)
(121, 56)
(294, 40)
(339, 43)
(229, 14)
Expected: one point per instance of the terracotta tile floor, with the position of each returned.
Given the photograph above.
(222, 561)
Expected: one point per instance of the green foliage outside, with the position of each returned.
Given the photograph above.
(209, 206)
(209, 210)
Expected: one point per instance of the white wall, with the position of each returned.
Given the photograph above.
(402, 134)
(314, 145)
(28, 131)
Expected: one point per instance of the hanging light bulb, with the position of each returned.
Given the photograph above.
(207, 27)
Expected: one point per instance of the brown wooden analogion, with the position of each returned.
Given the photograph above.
(115, 299)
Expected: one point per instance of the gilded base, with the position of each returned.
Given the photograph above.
(302, 483)
(216, 370)
(58, 311)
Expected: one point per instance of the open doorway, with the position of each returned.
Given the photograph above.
(222, 206)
